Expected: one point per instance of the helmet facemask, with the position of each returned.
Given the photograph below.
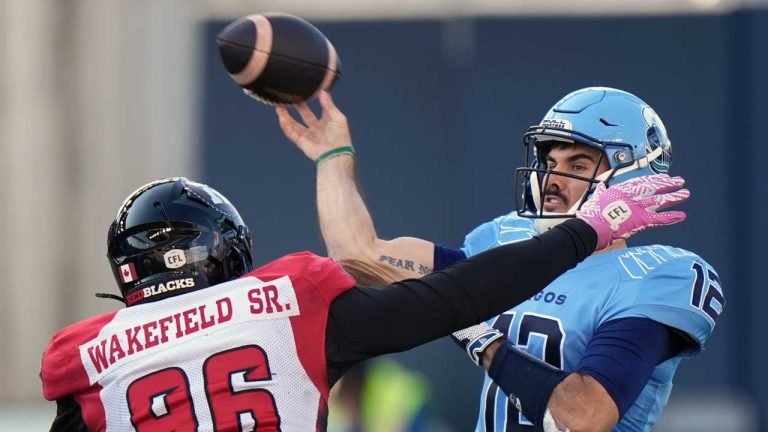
(535, 181)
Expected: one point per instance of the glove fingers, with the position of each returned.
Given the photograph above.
(662, 201)
(656, 220)
(667, 218)
(664, 183)
(646, 186)
(673, 198)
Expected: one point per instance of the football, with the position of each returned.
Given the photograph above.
(278, 58)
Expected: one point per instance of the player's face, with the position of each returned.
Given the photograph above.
(562, 192)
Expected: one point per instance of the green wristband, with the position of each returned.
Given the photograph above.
(337, 150)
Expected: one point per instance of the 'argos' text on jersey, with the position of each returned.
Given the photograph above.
(550, 297)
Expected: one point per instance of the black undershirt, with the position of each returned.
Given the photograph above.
(69, 418)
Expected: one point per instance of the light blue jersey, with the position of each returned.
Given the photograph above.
(666, 284)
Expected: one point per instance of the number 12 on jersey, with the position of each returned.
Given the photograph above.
(706, 289)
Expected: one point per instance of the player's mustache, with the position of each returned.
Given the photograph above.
(555, 191)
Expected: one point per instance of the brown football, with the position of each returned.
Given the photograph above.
(278, 58)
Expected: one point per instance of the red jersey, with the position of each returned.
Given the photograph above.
(248, 354)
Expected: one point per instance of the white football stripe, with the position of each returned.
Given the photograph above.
(260, 55)
(331, 72)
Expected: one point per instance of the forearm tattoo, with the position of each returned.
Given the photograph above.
(424, 270)
(405, 264)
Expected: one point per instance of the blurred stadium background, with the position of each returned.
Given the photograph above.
(98, 97)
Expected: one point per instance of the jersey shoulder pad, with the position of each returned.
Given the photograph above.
(62, 371)
(509, 228)
(672, 286)
(324, 273)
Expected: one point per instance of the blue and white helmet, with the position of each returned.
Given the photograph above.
(627, 131)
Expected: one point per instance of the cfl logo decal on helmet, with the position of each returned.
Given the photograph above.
(174, 258)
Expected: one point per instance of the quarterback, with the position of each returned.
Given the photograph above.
(597, 348)
(208, 342)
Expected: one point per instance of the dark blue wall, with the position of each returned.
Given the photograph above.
(438, 108)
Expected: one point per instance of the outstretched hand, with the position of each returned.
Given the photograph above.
(629, 207)
(316, 136)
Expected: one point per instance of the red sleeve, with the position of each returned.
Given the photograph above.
(62, 371)
(325, 273)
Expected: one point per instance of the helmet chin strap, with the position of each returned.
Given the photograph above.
(546, 224)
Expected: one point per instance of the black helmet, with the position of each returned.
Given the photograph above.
(174, 235)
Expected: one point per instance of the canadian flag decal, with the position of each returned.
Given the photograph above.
(128, 273)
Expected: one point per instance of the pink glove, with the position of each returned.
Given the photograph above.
(626, 208)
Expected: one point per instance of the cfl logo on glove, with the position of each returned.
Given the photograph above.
(617, 213)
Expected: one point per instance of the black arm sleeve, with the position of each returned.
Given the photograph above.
(69, 418)
(368, 321)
